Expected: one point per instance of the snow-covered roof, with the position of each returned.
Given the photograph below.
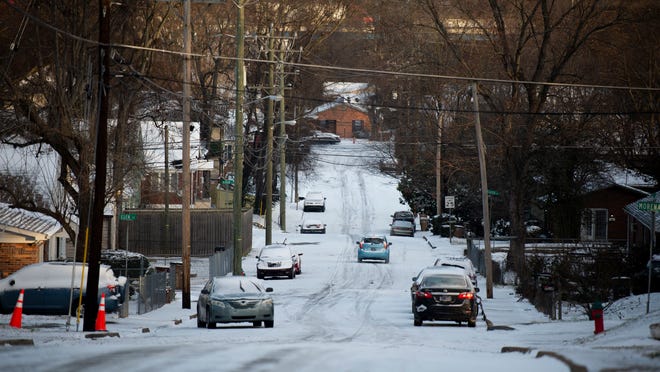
(19, 222)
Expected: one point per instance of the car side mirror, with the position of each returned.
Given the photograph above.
(269, 289)
(205, 291)
(414, 278)
(301, 198)
(300, 254)
(476, 289)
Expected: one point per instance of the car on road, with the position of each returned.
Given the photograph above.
(446, 295)
(320, 137)
(311, 226)
(278, 260)
(235, 299)
(314, 201)
(402, 228)
(462, 262)
(47, 288)
(405, 216)
(374, 247)
(416, 280)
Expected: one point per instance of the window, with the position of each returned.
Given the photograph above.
(594, 224)
(358, 125)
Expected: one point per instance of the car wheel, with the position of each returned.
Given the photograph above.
(292, 274)
(323, 209)
(269, 323)
(260, 275)
(359, 260)
(417, 322)
(387, 260)
(472, 323)
(256, 324)
(209, 323)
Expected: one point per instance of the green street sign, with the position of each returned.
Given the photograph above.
(127, 217)
(493, 193)
(649, 206)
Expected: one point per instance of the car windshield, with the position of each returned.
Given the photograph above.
(401, 223)
(374, 240)
(444, 281)
(235, 286)
(275, 253)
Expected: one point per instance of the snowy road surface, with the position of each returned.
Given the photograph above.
(338, 315)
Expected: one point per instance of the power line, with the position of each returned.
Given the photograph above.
(326, 67)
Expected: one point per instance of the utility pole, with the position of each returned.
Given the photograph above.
(238, 153)
(282, 144)
(101, 157)
(438, 168)
(269, 141)
(185, 200)
(481, 150)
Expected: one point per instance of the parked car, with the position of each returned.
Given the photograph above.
(640, 280)
(462, 262)
(278, 260)
(234, 299)
(323, 137)
(47, 288)
(416, 280)
(402, 228)
(374, 247)
(314, 201)
(404, 216)
(129, 264)
(446, 295)
(312, 225)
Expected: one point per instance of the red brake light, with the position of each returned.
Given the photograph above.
(421, 294)
(466, 296)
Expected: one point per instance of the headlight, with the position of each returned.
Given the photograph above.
(217, 303)
(268, 302)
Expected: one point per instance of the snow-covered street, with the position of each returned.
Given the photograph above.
(341, 315)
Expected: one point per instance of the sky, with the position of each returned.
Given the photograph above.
(341, 315)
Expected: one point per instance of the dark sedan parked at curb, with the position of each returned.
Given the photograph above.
(234, 299)
(446, 295)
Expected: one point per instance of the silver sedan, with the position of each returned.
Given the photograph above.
(234, 299)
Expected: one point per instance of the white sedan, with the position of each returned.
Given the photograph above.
(312, 226)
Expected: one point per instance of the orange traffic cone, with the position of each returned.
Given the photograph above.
(100, 317)
(18, 312)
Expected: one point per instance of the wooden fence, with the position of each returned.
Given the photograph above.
(155, 233)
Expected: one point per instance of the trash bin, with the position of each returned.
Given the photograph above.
(424, 222)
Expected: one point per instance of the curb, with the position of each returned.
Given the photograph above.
(18, 342)
(574, 367)
(430, 245)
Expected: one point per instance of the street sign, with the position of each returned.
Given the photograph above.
(493, 193)
(649, 206)
(449, 202)
(127, 217)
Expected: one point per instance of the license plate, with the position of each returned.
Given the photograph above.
(444, 298)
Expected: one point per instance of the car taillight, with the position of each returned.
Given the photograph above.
(385, 245)
(361, 245)
(466, 296)
(421, 294)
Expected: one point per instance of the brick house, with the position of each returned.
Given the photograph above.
(27, 238)
(345, 119)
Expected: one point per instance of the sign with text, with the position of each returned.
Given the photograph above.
(450, 202)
